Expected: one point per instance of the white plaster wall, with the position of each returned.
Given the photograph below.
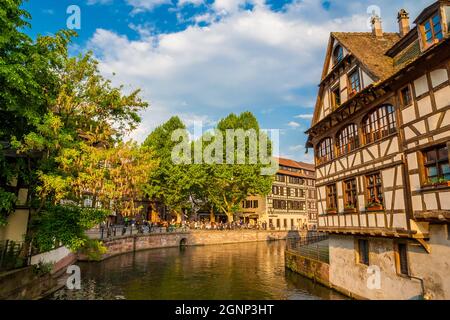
(347, 273)
(421, 85)
(51, 256)
(434, 267)
(438, 77)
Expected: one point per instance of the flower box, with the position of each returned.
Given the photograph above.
(437, 184)
(331, 211)
(375, 207)
(350, 210)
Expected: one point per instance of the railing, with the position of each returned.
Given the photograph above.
(313, 246)
(116, 231)
(10, 255)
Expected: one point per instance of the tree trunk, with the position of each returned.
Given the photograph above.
(230, 216)
(178, 216)
(212, 217)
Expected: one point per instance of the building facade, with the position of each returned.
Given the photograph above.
(292, 202)
(381, 135)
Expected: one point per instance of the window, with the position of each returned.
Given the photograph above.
(292, 223)
(347, 140)
(279, 204)
(374, 189)
(325, 151)
(379, 124)
(432, 30)
(350, 194)
(275, 190)
(280, 178)
(405, 96)
(331, 197)
(403, 258)
(338, 54)
(363, 248)
(355, 82)
(255, 204)
(285, 223)
(335, 97)
(436, 164)
(278, 223)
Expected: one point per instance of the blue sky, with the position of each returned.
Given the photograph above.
(202, 59)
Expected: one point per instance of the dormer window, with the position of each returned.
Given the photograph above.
(338, 54)
(432, 30)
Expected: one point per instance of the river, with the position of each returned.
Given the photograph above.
(247, 271)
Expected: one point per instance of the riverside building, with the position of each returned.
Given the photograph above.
(381, 136)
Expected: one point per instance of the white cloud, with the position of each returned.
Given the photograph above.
(293, 124)
(257, 60)
(304, 116)
(296, 147)
(146, 5)
(194, 2)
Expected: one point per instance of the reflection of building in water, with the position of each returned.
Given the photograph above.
(381, 134)
(232, 271)
(292, 202)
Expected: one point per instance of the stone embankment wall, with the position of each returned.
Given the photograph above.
(191, 238)
(307, 267)
(27, 284)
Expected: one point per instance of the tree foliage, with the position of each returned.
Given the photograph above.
(169, 183)
(61, 115)
(227, 185)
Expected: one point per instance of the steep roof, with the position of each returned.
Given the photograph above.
(296, 164)
(370, 50)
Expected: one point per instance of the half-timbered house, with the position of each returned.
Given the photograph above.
(381, 133)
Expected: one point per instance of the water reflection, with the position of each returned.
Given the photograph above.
(234, 271)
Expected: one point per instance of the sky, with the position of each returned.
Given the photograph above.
(203, 59)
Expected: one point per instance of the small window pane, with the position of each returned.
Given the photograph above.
(436, 19)
(432, 172)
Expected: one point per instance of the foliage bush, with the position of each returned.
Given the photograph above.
(66, 225)
(93, 249)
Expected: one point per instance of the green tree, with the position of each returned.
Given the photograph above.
(169, 183)
(60, 110)
(227, 185)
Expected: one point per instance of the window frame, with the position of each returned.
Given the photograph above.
(375, 185)
(331, 194)
(381, 122)
(325, 150)
(434, 39)
(335, 94)
(347, 140)
(351, 88)
(338, 57)
(411, 99)
(363, 251)
(402, 258)
(353, 192)
(424, 164)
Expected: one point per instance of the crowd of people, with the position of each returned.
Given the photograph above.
(139, 226)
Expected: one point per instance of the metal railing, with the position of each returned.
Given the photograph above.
(313, 246)
(10, 255)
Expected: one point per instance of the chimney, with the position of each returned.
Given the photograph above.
(377, 29)
(403, 22)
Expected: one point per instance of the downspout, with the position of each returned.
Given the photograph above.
(422, 284)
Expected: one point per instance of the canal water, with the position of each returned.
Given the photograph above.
(232, 271)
